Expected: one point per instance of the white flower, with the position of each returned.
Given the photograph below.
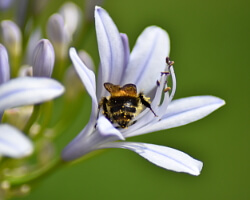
(19, 92)
(143, 68)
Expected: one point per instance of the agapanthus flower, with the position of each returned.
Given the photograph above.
(144, 67)
(19, 92)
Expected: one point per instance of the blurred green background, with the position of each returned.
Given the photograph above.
(210, 46)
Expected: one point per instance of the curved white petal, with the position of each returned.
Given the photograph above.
(82, 144)
(86, 75)
(147, 59)
(13, 143)
(111, 49)
(183, 111)
(27, 90)
(161, 156)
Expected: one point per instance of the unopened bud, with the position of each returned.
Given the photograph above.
(4, 65)
(58, 35)
(43, 59)
(71, 14)
(11, 37)
(5, 4)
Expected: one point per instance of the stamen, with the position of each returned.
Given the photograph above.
(165, 73)
(167, 89)
(173, 83)
(158, 83)
(169, 62)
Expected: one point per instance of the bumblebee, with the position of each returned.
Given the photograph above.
(123, 104)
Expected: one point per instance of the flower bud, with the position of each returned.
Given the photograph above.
(71, 14)
(4, 65)
(58, 35)
(5, 4)
(11, 37)
(43, 59)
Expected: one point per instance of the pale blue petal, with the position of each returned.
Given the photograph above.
(161, 156)
(111, 49)
(147, 59)
(126, 49)
(27, 91)
(183, 111)
(83, 143)
(4, 65)
(86, 75)
(13, 143)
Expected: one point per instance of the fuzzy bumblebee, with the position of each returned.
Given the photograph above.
(123, 104)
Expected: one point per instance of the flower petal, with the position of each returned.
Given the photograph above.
(26, 90)
(183, 111)
(86, 75)
(83, 143)
(147, 59)
(111, 50)
(4, 65)
(161, 156)
(13, 143)
(126, 49)
(88, 79)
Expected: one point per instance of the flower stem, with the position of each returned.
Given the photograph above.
(32, 118)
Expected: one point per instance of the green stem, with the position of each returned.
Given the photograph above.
(33, 118)
(47, 113)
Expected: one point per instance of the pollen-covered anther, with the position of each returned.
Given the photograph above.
(167, 89)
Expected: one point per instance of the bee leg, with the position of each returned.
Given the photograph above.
(102, 104)
(146, 103)
(133, 122)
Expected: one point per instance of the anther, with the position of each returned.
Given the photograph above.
(158, 83)
(169, 62)
(167, 89)
(165, 73)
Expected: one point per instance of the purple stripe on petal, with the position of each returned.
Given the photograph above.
(28, 91)
(111, 49)
(147, 59)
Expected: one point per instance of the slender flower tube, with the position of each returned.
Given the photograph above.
(19, 92)
(43, 59)
(4, 65)
(146, 68)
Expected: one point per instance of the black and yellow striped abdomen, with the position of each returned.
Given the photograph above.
(123, 104)
(122, 109)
